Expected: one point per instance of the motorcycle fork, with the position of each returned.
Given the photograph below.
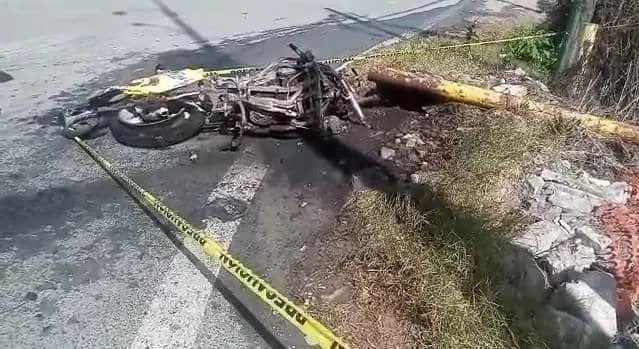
(313, 90)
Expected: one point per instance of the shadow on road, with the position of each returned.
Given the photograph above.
(375, 26)
(5, 77)
(367, 170)
(515, 5)
(187, 29)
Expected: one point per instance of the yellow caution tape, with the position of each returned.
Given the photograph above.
(172, 79)
(386, 54)
(316, 333)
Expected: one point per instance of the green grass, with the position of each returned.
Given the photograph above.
(452, 57)
(539, 54)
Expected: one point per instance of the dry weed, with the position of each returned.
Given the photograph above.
(611, 75)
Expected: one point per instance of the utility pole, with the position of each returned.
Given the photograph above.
(581, 13)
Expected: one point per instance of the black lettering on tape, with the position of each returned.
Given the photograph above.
(244, 274)
(336, 345)
(270, 295)
(290, 310)
(301, 319)
(261, 287)
(231, 263)
(279, 302)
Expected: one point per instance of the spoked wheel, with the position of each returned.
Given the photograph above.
(183, 123)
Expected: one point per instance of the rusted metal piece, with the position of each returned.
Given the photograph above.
(431, 84)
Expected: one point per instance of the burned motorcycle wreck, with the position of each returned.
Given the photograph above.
(288, 96)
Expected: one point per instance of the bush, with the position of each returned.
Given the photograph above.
(539, 53)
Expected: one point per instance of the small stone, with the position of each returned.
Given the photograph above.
(540, 237)
(523, 273)
(592, 238)
(552, 214)
(617, 193)
(31, 296)
(387, 153)
(591, 298)
(518, 72)
(540, 85)
(419, 177)
(595, 181)
(398, 141)
(335, 124)
(357, 183)
(571, 329)
(573, 199)
(412, 140)
(513, 90)
(340, 295)
(535, 183)
(303, 204)
(570, 255)
(193, 156)
(551, 176)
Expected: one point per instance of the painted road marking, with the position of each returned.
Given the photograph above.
(175, 314)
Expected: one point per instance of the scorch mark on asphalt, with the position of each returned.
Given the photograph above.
(175, 314)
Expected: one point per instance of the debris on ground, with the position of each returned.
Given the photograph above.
(568, 244)
(494, 240)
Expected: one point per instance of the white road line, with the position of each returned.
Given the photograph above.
(175, 314)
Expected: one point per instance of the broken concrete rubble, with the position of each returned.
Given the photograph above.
(566, 243)
(589, 297)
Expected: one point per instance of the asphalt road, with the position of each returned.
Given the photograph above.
(81, 265)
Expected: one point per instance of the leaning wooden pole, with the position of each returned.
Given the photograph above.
(485, 98)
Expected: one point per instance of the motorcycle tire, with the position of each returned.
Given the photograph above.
(159, 134)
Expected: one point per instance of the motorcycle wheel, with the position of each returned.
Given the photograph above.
(158, 134)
